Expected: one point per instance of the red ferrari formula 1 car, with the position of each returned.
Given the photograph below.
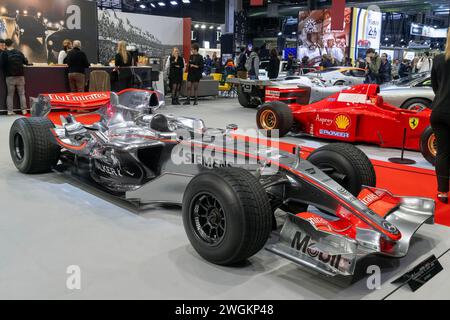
(357, 114)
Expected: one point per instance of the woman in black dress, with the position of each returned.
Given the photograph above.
(176, 74)
(194, 69)
(273, 69)
(123, 62)
(440, 119)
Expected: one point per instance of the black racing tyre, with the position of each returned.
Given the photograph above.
(227, 215)
(346, 164)
(245, 99)
(417, 104)
(428, 145)
(31, 146)
(275, 115)
(339, 83)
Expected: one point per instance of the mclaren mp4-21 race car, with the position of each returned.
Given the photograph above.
(231, 191)
(357, 114)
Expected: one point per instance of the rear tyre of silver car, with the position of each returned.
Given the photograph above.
(226, 215)
(275, 115)
(31, 146)
(417, 104)
(346, 164)
(428, 145)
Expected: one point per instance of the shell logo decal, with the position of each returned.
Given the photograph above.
(414, 123)
(342, 122)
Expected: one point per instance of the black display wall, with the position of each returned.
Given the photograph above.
(38, 27)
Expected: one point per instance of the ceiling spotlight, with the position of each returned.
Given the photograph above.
(219, 28)
(211, 27)
(196, 26)
(142, 6)
(203, 26)
(280, 33)
(161, 4)
(174, 3)
(152, 5)
(186, 1)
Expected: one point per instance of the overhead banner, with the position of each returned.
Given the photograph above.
(38, 28)
(366, 32)
(428, 31)
(154, 36)
(315, 36)
(338, 15)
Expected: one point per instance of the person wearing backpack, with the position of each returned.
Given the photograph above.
(241, 71)
(252, 64)
(15, 77)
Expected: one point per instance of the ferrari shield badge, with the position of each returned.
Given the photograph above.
(413, 123)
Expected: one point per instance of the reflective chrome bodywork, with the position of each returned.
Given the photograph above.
(151, 158)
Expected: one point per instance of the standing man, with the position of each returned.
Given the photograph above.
(78, 63)
(252, 64)
(373, 61)
(385, 69)
(15, 76)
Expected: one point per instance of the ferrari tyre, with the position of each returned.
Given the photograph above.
(346, 164)
(275, 116)
(245, 99)
(428, 145)
(226, 215)
(31, 146)
(339, 83)
(417, 104)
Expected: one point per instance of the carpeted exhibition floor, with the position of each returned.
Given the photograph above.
(50, 222)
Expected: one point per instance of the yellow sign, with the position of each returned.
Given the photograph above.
(342, 122)
(414, 123)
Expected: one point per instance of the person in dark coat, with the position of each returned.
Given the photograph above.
(77, 63)
(385, 69)
(440, 119)
(176, 74)
(405, 69)
(273, 69)
(195, 69)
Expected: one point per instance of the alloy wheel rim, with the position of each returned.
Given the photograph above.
(208, 219)
(19, 147)
(432, 145)
(268, 120)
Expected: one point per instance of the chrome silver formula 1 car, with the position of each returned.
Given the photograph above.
(234, 194)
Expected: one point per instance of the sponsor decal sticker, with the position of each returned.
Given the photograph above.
(342, 122)
(414, 123)
(324, 121)
(336, 134)
(272, 93)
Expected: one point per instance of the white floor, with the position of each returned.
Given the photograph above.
(50, 222)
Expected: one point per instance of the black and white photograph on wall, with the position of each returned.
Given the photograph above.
(38, 28)
(151, 36)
